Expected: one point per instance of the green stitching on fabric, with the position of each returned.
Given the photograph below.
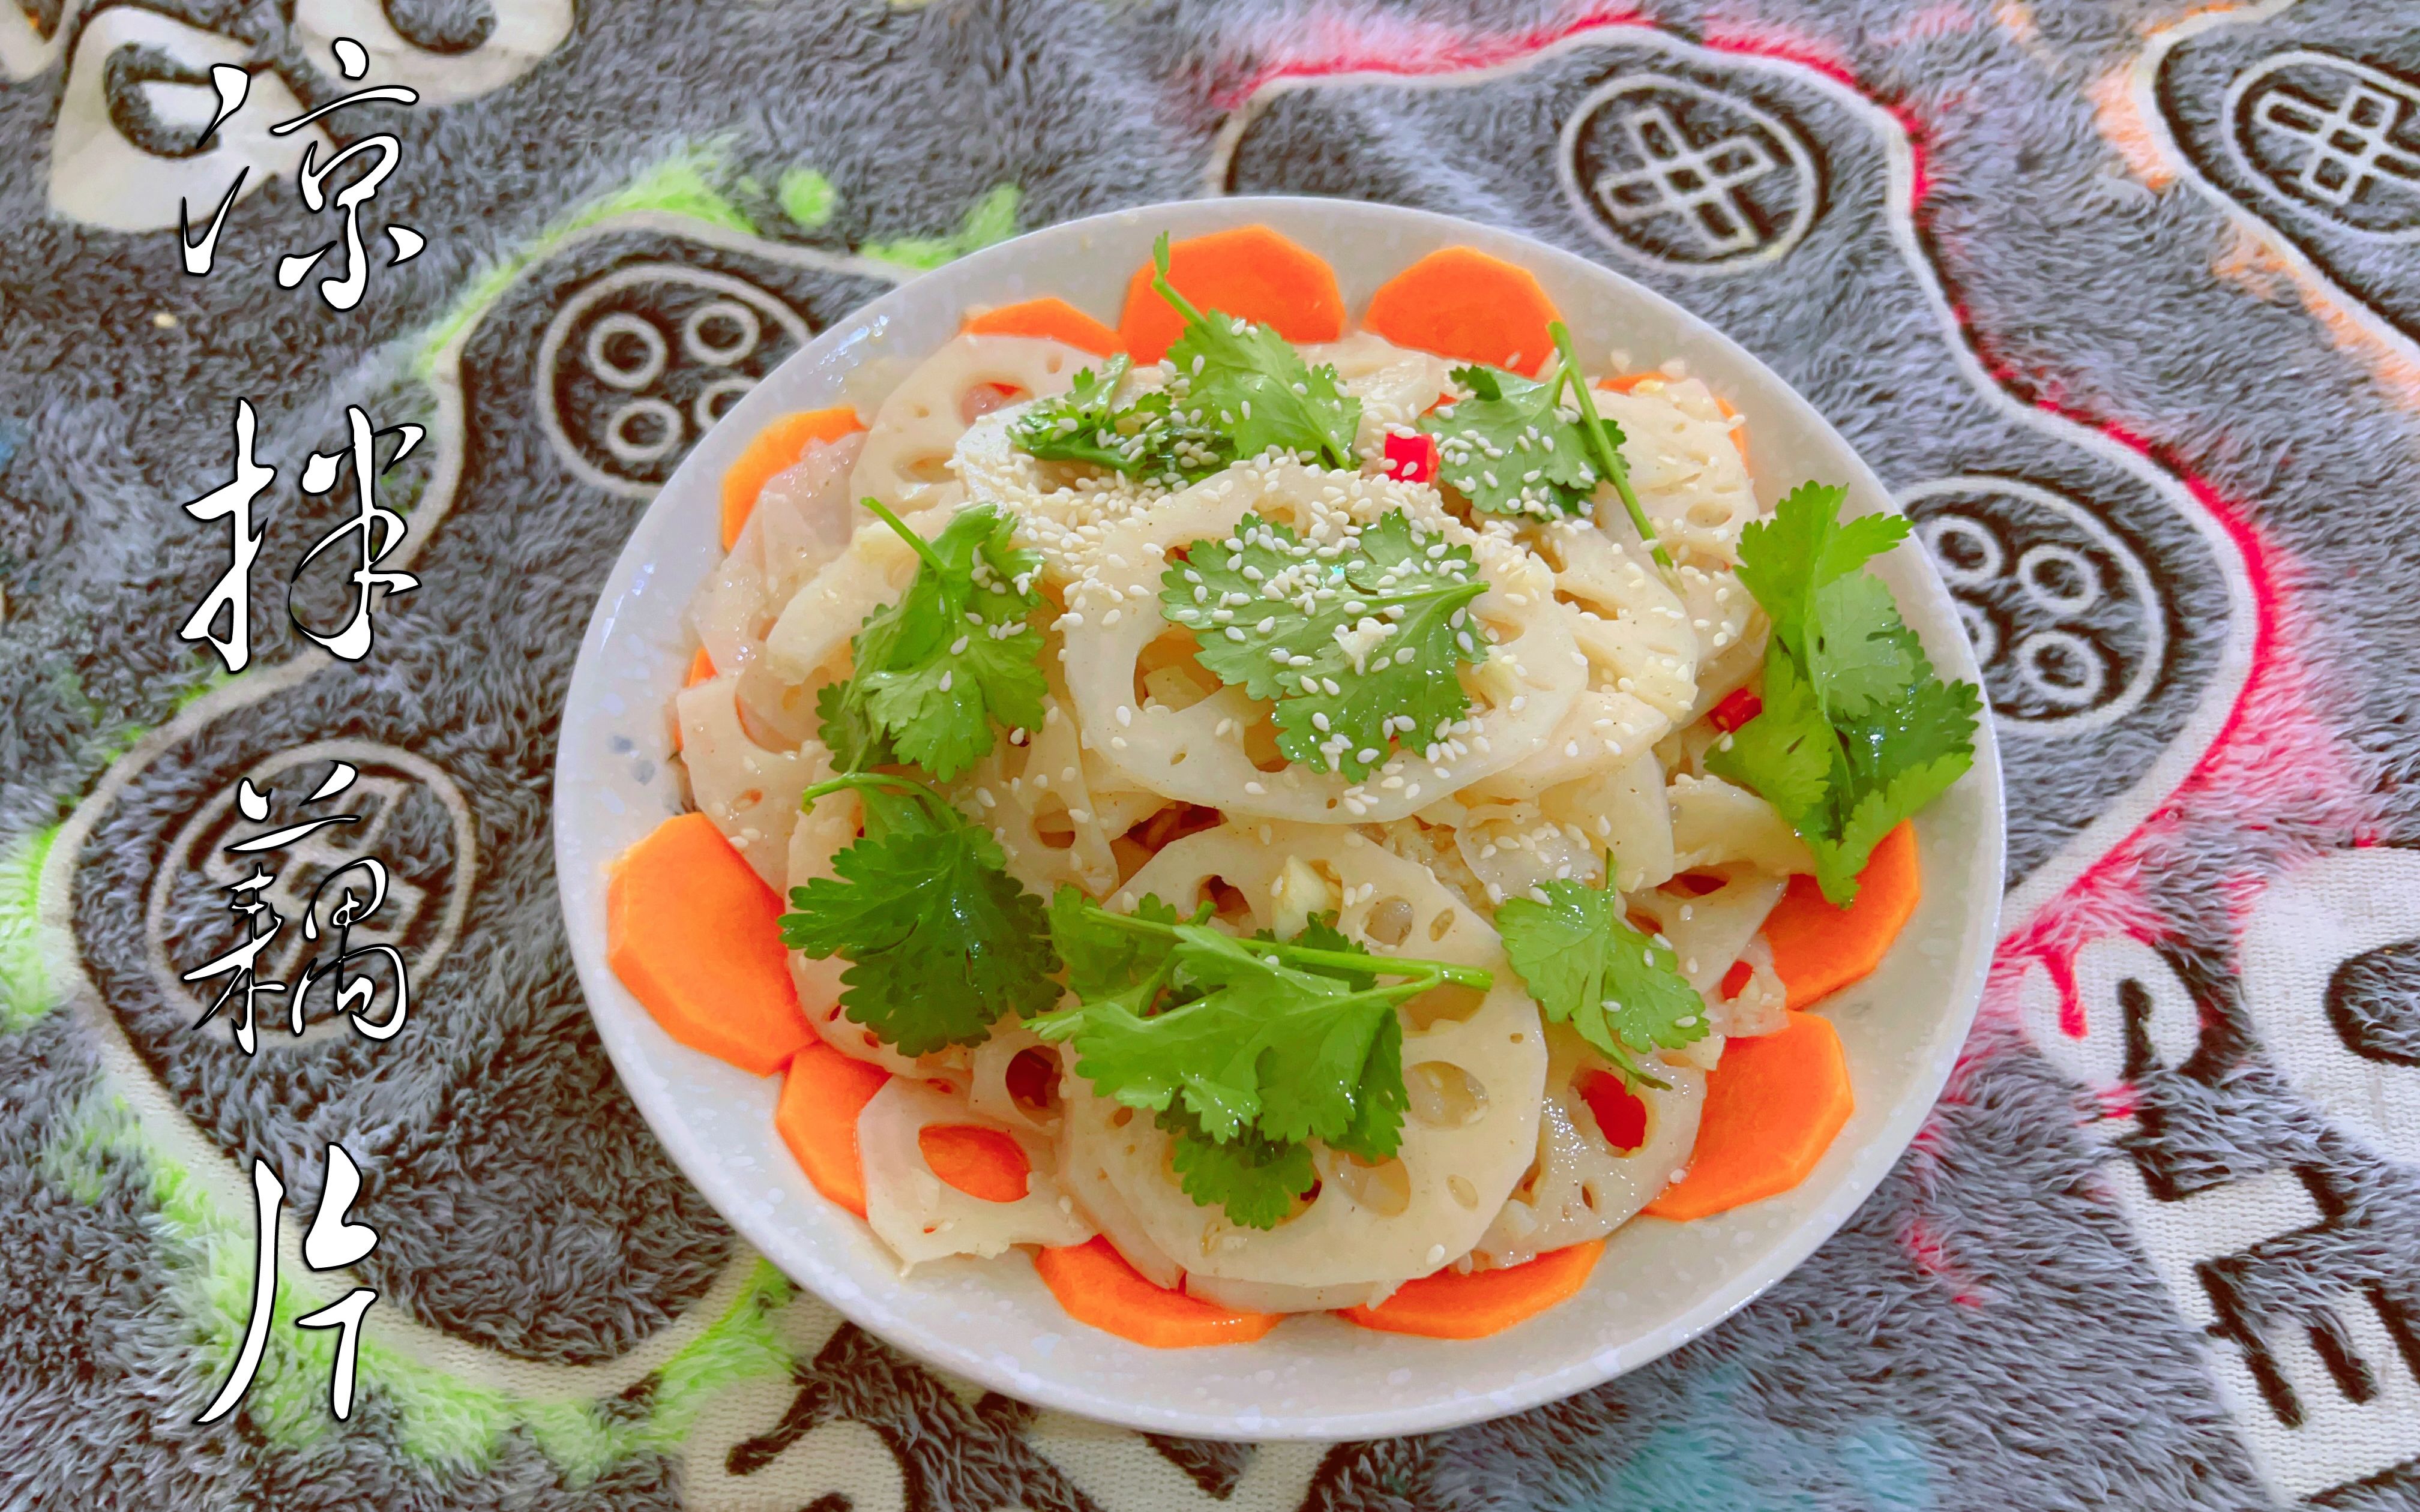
(209, 1276)
(741, 1345)
(991, 218)
(446, 1424)
(808, 197)
(677, 186)
(210, 683)
(111, 734)
(214, 1295)
(443, 1424)
(26, 993)
(79, 1155)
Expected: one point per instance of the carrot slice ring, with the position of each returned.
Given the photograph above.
(1773, 1106)
(821, 1097)
(979, 1162)
(1449, 1306)
(1460, 303)
(776, 447)
(1817, 948)
(1250, 272)
(1096, 1286)
(695, 935)
(1051, 318)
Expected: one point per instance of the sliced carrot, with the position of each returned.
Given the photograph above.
(821, 1097)
(1096, 1286)
(1051, 318)
(1449, 1306)
(701, 670)
(776, 447)
(1817, 948)
(979, 1162)
(1624, 382)
(1250, 272)
(1738, 426)
(1460, 303)
(1772, 1105)
(695, 935)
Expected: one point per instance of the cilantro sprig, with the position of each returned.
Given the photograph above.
(1255, 1179)
(1237, 388)
(1151, 436)
(956, 654)
(1587, 966)
(1511, 448)
(1243, 1049)
(1254, 383)
(1357, 642)
(1856, 733)
(941, 941)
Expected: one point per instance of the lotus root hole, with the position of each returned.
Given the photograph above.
(1384, 1188)
(1442, 1095)
(1390, 922)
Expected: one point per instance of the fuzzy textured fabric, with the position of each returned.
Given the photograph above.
(2121, 297)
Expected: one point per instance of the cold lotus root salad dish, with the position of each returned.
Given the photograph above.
(1271, 815)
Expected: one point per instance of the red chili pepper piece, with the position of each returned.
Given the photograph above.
(1411, 458)
(1736, 981)
(1737, 708)
(1621, 1116)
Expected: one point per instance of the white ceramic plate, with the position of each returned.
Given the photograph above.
(1317, 1376)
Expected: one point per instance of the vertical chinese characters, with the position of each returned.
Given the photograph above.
(329, 912)
(379, 152)
(378, 531)
(331, 1243)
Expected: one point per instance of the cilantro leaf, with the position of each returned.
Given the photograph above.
(1934, 721)
(1255, 1179)
(1356, 642)
(1789, 752)
(1856, 733)
(957, 654)
(941, 941)
(1263, 1045)
(1149, 437)
(1075, 426)
(1805, 546)
(1103, 957)
(1254, 385)
(1806, 565)
(1878, 810)
(1509, 448)
(1376, 1131)
(1255, 1046)
(1586, 966)
(848, 732)
(1287, 1049)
